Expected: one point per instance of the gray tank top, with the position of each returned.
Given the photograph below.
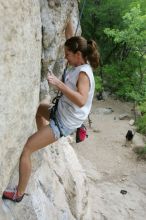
(70, 114)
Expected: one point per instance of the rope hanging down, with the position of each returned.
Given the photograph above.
(79, 21)
(59, 94)
(80, 16)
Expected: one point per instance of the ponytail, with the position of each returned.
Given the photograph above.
(87, 48)
(92, 53)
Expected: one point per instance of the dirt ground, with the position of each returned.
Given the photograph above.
(111, 166)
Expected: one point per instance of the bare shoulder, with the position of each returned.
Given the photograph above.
(83, 76)
(83, 81)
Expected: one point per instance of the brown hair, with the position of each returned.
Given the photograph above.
(87, 48)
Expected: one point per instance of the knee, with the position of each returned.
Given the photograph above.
(39, 110)
(42, 109)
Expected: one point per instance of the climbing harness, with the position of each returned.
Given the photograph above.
(81, 132)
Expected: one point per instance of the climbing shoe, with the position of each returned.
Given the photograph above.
(12, 195)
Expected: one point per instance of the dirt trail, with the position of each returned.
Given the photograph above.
(112, 167)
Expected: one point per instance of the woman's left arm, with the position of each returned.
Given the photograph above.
(78, 97)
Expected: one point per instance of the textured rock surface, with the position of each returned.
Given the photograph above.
(55, 15)
(20, 54)
(32, 33)
(57, 189)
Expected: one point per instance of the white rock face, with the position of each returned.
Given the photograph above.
(57, 189)
(32, 33)
(20, 54)
(55, 16)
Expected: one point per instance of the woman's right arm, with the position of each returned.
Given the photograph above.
(78, 97)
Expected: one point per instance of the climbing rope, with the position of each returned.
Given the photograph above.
(59, 94)
(79, 20)
(80, 16)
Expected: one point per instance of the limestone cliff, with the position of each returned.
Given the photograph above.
(32, 38)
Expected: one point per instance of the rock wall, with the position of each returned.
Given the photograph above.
(20, 55)
(32, 38)
(57, 189)
(55, 15)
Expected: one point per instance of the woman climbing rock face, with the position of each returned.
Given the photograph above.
(72, 109)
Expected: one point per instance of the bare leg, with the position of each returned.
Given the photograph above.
(39, 140)
(42, 116)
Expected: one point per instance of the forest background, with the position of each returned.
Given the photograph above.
(119, 28)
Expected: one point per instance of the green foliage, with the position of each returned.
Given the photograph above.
(131, 43)
(119, 28)
(141, 124)
(101, 14)
(142, 107)
(98, 83)
(141, 151)
(134, 33)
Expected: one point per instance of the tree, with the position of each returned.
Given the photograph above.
(131, 54)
